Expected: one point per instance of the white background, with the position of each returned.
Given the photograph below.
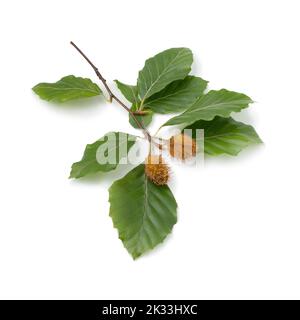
(238, 230)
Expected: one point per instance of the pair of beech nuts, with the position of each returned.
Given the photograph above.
(181, 147)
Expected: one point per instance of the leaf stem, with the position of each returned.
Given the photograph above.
(140, 112)
(112, 96)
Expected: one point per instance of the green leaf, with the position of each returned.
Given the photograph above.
(162, 69)
(177, 96)
(129, 92)
(225, 136)
(144, 119)
(214, 103)
(67, 88)
(114, 147)
(143, 212)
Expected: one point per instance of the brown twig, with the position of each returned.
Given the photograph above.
(111, 94)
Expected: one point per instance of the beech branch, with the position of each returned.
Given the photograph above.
(112, 96)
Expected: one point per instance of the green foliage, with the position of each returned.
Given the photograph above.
(143, 119)
(214, 103)
(177, 96)
(225, 136)
(66, 89)
(162, 69)
(129, 92)
(116, 144)
(143, 212)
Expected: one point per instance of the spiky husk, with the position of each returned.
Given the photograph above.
(182, 147)
(157, 170)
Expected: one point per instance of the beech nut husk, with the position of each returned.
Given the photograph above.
(157, 170)
(182, 147)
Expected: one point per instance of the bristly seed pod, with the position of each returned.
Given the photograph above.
(157, 170)
(182, 147)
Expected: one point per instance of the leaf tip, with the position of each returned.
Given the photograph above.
(34, 88)
(74, 173)
(259, 140)
(135, 255)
